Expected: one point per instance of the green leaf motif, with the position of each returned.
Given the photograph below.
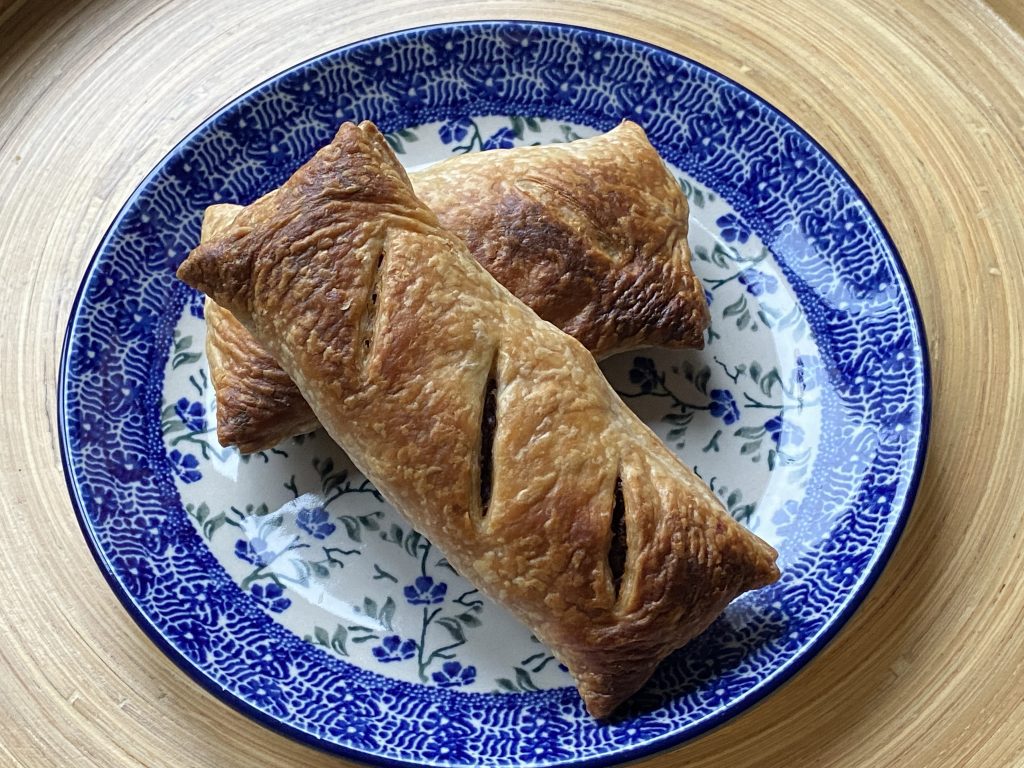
(737, 307)
(338, 640)
(412, 543)
(185, 358)
(351, 527)
(369, 520)
(454, 628)
(518, 126)
(321, 636)
(524, 680)
(701, 379)
(370, 607)
(768, 383)
(387, 613)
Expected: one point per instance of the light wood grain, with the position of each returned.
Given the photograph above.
(922, 102)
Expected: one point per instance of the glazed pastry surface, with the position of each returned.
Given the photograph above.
(591, 235)
(491, 430)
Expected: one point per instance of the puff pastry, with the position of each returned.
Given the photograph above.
(591, 235)
(492, 431)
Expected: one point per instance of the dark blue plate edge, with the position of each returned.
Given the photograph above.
(753, 696)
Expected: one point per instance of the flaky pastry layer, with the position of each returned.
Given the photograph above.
(590, 234)
(492, 431)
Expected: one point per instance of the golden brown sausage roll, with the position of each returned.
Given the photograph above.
(491, 430)
(591, 235)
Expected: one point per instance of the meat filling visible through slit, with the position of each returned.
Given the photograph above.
(617, 548)
(488, 424)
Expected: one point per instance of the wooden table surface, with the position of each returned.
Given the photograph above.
(922, 102)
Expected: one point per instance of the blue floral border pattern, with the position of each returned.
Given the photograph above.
(783, 187)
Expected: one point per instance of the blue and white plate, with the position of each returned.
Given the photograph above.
(285, 585)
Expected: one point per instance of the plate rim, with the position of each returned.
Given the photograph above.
(755, 695)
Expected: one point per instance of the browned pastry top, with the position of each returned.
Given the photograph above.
(589, 529)
(591, 235)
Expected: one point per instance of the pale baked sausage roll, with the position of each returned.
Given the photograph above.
(591, 235)
(492, 431)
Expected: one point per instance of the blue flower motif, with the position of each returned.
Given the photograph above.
(184, 466)
(706, 137)
(191, 638)
(128, 467)
(849, 224)
(900, 357)
(723, 406)
(412, 88)
(196, 303)
(101, 504)
(792, 435)
(394, 648)
(898, 429)
(733, 228)
(270, 660)
(263, 692)
(356, 732)
(521, 38)
(135, 321)
(738, 112)
(669, 78)
(450, 751)
(255, 551)
(636, 102)
(596, 57)
(136, 573)
(87, 355)
(118, 394)
(204, 602)
(563, 81)
(452, 131)
(764, 182)
(315, 521)
(425, 592)
(156, 537)
(271, 597)
(88, 427)
(502, 139)
(453, 674)
(446, 44)
(192, 414)
(488, 79)
(109, 284)
(757, 282)
(798, 160)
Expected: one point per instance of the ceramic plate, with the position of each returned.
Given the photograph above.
(284, 584)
